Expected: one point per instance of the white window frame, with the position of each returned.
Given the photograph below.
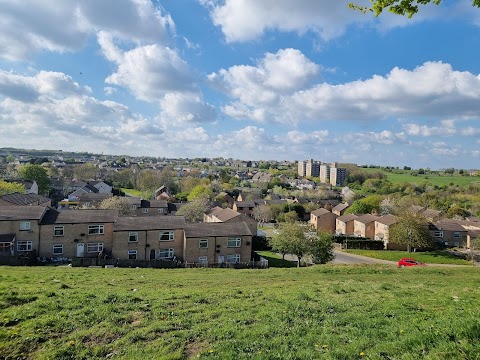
(131, 253)
(160, 211)
(133, 207)
(25, 225)
(144, 211)
(168, 252)
(134, 235)
(238, 242)
(59, 228)
(169, 234)
(57, 249)
(24, 245)
(456, 235)
(93, 248)
(203, 243)
(100, 228)
(234, 257)
(203, 259)
(438, 234)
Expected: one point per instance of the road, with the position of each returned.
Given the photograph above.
(346, 258)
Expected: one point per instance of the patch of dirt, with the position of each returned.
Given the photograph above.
(194, 348)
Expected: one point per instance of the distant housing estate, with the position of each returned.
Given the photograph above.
(327, 172)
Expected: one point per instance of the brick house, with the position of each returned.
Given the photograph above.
(382, 228)
(217, 214)
(340, 209)
(20, 229)
(323, 219)
(77, 233)
(244, 207)
(449, 233)
(344, 224)
(364, 226)
(148, 238)
(217, 243)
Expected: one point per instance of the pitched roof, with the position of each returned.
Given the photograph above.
(93, 197)
(22, 212)
(347, 217)
(216, 229)
(158, 203)
(450, 225)
(213, 210)
(387, 220)
(320, 212)
(367, 218)
(149, 223)
(226, 214)
(7, 238)
(80, 216)
(245, 203)
(340, 207)
(24, 199)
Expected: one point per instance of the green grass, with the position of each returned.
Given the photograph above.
(132, 192)
(435, 179)
(275, 260)
(319, 312)
(433, 257)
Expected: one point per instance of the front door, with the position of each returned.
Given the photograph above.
(221, 259)
(152, 254)
(80, 249)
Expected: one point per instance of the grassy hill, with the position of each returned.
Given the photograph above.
(330, 312)
(407, 176)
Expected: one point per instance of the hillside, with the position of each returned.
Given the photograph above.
(331, 312)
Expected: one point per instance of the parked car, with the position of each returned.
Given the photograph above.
(410, 262)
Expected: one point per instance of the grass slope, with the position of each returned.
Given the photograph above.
(433, 257)
(320, 312)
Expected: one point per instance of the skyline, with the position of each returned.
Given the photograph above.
(242, 79)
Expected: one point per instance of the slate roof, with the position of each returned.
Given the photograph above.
(320, 212)
(149, 223)
(367, 218)
(87, 216)
(25, 199)
(216, 229)
(22, 212)
(347, 217)
(387, 219)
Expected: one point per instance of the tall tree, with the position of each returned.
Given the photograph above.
(193, 211)
(321, 247)
(85, 172)
(36, 173)
(411, 230)
(399, 7)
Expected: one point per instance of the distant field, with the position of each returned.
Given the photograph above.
(320, 312)
(432, 178)
(434, 257)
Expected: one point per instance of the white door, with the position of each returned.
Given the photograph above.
(80, 250)
(221, 259)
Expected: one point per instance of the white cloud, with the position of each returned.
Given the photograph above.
(185, 107)
(31, 26)
(306, 138)
(108, 90)
(433, 90)
(448, 128)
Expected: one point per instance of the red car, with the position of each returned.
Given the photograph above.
(410, 262)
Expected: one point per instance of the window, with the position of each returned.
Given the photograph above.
(203, 243)
(133, 207)
(145, 211)
(24, 225)
(94, 248)
(234, 242)
(57, 249)
(166, 236)
(438, 234)
(95, 230)
(233, 258)
(203, 259)
(87, 204)
(160, 211)
(165, 253)
(24, 246)
(58, 231)
(456, 235)
(133, 237)
(132, 254)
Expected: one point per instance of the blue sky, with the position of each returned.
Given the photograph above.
(248, 79)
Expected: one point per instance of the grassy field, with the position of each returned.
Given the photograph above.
(132, 192)
(434, 179)
(433, 257)
(320, 312)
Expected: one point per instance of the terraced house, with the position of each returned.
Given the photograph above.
(47, 233)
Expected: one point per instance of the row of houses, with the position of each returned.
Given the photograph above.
(45, 232)
(446, 232)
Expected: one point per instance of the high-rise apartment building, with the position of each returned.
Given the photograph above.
(309, 168)
(337, 175)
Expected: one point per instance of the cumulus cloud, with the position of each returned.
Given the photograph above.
(433, 89)
(186, 107)
(447, 128)
(66, 25)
